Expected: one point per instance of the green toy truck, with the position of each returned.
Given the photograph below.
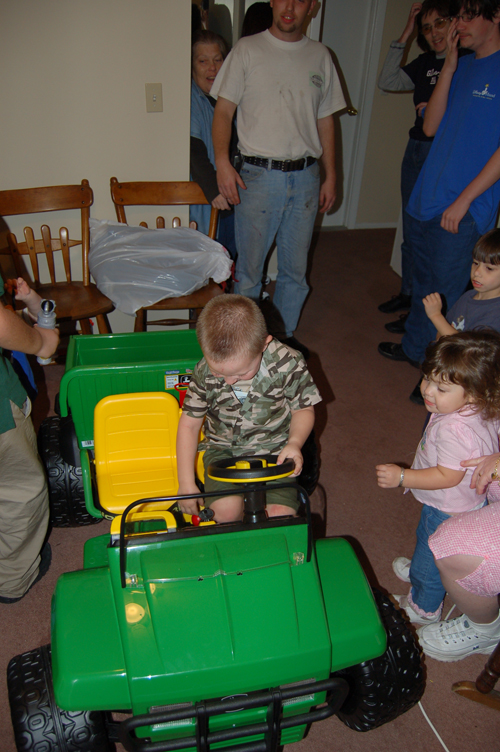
(212, 636)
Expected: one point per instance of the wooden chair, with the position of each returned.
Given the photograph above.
(483, 689)
(166, 194)
(75, 300)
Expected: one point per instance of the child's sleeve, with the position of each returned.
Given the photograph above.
(300, 389)
(195, 400)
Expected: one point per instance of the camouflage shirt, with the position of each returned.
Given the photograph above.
(261, 424)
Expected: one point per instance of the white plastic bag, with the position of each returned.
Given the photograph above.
(136, 267)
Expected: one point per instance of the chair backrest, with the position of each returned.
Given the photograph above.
(135, 448)
(46, 199)
(183, 193)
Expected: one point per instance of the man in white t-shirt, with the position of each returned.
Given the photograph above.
(286, 90)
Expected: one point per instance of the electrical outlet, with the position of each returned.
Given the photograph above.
(154, 98)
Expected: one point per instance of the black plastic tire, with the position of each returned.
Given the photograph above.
(66, 496)
(309, 476)
(384, 688)
(37, 721)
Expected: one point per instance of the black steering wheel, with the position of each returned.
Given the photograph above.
(249, 469)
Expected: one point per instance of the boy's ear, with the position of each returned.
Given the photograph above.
(268, 340)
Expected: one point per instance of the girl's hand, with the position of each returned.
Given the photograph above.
(388, 476)
(485, 466)
(220, 203)
(432, 304)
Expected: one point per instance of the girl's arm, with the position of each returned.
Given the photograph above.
(427, 479)
(301, 426)
(187, 445)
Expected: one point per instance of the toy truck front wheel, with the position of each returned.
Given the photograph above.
(37, 721)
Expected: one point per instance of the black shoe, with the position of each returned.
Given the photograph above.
(396, 303)
(416, 396)
(45, 561)
(395, 351)
(293, 342)
(397, 327)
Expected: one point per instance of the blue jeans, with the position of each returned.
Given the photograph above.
(442, 263)
(427, 591)
(413, 160)
(282, 205)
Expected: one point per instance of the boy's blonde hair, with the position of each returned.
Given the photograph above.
(487, 248)
(231, 326)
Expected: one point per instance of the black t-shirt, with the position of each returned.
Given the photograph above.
(424, 72)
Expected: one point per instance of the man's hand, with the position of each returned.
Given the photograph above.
(292, 452)
(388, 476)
(451, 60)
(220, 203)
(327, 195)
(432, 304)
(453, 215)
(228, 181)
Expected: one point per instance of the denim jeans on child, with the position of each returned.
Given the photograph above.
(441, 263)
(282, 205)
(427, 591)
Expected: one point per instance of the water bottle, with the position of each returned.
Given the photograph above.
(47, 320)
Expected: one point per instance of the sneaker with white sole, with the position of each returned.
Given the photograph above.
(401, 567)
(413, 616)
(455, 639)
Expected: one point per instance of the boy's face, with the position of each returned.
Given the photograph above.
(239, 368)
(485, 280)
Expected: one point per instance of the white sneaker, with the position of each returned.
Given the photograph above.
(412, 614)
(455, 639)
(401, 567)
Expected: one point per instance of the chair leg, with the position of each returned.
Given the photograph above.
(103, 324)
(141, 321)
(193, 317)
(482, 690)
(85, 326)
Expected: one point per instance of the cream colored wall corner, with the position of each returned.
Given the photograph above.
(72, 96)
(392, 117)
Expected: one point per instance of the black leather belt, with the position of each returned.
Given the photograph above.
(285, 165)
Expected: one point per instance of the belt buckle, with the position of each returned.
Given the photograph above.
(286, 165)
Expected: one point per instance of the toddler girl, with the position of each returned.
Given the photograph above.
(461, 391)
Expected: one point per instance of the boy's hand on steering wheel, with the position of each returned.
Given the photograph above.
(292, 451)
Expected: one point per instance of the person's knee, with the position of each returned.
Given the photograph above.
(228, 509)
(279, 510)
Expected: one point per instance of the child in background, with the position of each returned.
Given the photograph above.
(477, 308)
(256, 396)
(461, 390)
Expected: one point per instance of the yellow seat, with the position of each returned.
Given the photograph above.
(135, 449)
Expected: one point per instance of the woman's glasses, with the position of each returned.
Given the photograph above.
(439, 23)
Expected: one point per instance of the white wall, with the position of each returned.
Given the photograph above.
(72, 97)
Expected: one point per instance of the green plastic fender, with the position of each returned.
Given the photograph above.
(356, 631)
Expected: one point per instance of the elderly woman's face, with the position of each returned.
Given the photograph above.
(207, 60)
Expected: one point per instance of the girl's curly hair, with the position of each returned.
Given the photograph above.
(471, 360)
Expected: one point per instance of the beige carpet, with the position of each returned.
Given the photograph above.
(365, 418)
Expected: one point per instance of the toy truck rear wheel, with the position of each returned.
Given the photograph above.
(309, 476)
(386, 687)
(66, 495)
(37, 721)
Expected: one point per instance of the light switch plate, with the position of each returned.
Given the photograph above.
(154, 98)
